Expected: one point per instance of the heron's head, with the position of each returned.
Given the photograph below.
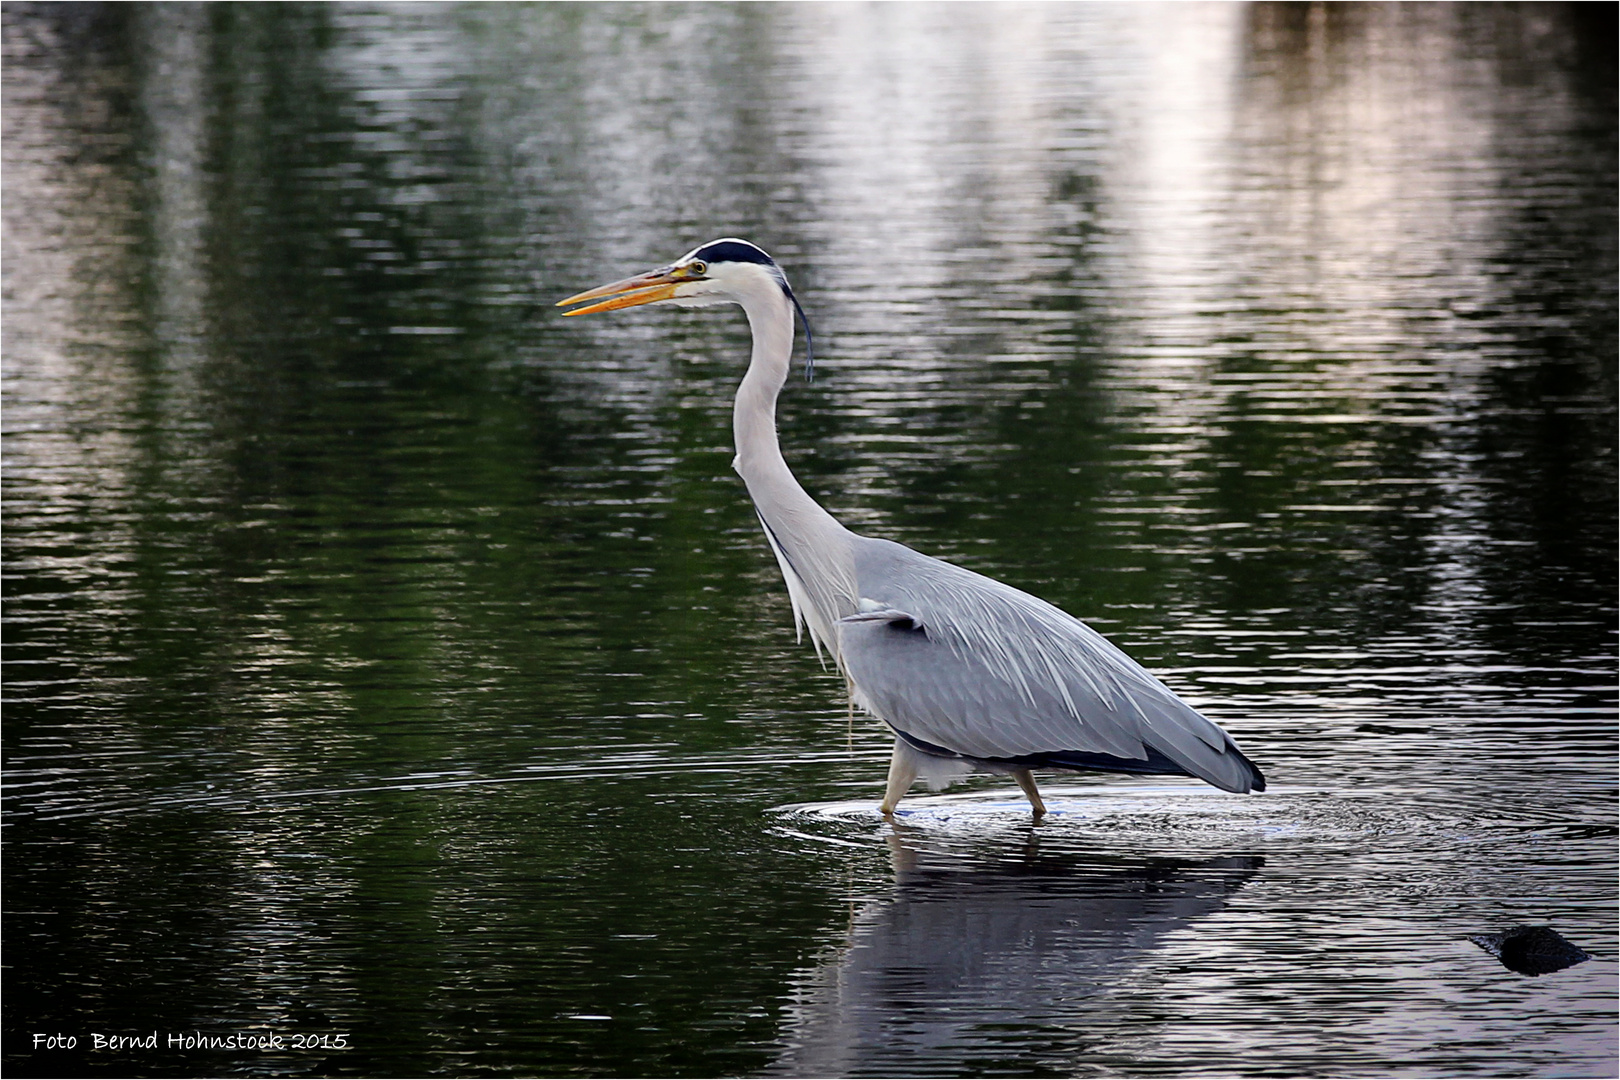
(725, 271)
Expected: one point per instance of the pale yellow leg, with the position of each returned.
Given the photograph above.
(1026, 780)
(902, 773)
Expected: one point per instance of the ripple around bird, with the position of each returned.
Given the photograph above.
(1152, 815)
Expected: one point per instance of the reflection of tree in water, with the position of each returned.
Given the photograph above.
(980, 961)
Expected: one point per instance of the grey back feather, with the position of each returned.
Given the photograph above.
(988, 671)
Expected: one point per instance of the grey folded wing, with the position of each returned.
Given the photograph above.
(962, 662)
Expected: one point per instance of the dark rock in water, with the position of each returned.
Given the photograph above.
(1531, 950)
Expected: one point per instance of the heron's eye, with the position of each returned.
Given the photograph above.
(698, 266)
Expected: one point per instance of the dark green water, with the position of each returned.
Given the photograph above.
(393, 666)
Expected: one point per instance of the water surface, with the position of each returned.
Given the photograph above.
(386, 658)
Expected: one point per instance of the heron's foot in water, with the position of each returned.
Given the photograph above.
(904, 768)
(1026, 780)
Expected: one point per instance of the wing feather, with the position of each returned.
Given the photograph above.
(987, 671)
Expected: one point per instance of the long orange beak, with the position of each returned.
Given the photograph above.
(645, 288)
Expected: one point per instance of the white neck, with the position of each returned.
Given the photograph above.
(815, 546)
(759, 459)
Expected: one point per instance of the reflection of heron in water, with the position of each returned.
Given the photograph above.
(985, 963)
(969, 673)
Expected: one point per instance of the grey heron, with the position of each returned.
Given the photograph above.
(969, 673)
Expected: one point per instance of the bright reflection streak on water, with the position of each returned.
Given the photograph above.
(385, 655)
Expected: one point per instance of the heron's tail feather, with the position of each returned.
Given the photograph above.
(1179, 732)
(1231, 770)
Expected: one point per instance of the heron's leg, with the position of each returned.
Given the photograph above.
(1026, 780)
(902, 773)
